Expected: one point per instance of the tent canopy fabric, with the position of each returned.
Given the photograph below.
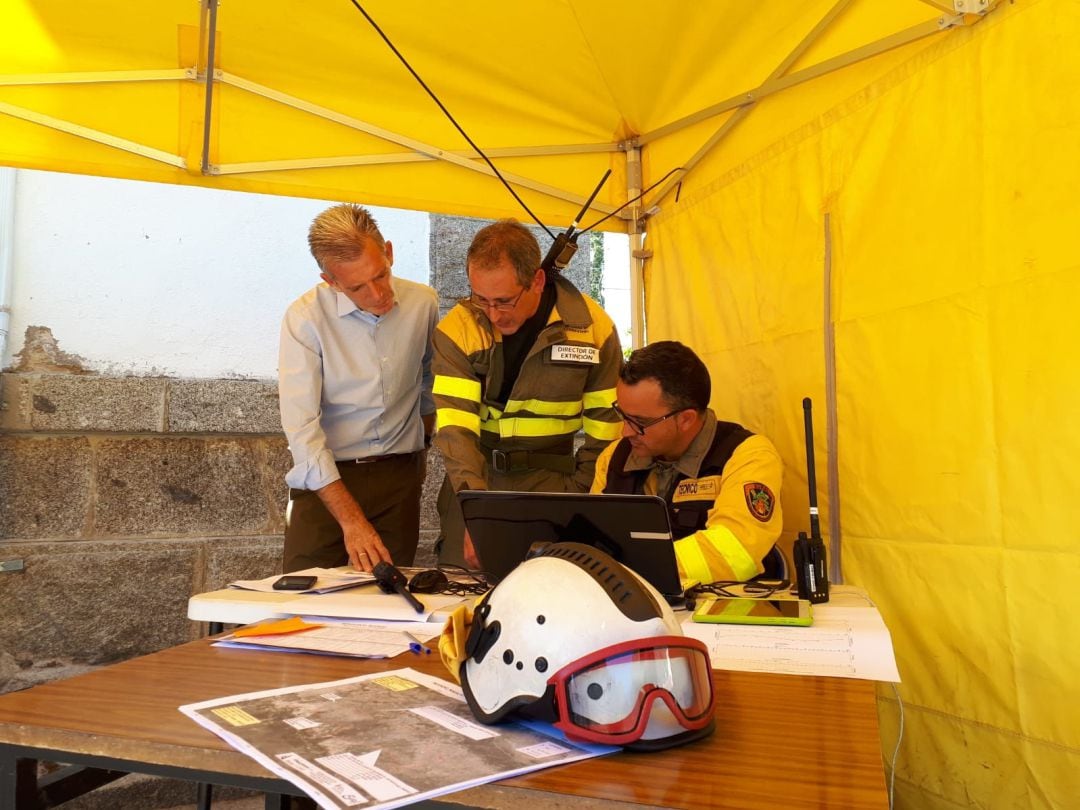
(310, 101)
(869, 202)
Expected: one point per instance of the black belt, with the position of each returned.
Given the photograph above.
(510, 461)
(372, 459)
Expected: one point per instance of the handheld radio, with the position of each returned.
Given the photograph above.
(391, 580)
(811, 568)
(564, 247)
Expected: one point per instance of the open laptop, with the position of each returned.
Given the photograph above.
(633, 529)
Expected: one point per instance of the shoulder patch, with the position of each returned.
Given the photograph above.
(759, 500)
(697, 489)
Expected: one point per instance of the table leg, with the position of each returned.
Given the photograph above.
(204, 795)
(18, 781)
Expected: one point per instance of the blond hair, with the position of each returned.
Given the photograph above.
(340, 233)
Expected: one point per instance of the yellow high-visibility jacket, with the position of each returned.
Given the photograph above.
(566, 383)
(723, 496)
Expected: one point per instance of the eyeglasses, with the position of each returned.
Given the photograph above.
(497, 304)
(641, 425)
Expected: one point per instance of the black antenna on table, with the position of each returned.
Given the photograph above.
(811, 569)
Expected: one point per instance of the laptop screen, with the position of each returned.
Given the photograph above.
(633, 529)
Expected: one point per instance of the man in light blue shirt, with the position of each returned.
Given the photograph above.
(354, 383)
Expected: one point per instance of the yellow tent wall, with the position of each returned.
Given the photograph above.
(948, 187)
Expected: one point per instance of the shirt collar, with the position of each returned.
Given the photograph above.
(689, 462)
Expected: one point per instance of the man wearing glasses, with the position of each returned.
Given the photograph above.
(721, 482)
(520, 367)
(354, 383)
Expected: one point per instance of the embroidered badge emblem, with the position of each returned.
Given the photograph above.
(759, 500)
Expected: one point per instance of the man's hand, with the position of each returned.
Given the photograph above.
(471, 560)
(362, 543)
(365, 547)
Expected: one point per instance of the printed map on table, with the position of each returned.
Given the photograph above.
(382, 740)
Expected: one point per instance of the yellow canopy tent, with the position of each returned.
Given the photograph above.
(862, 201)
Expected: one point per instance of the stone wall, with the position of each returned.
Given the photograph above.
(120, 497)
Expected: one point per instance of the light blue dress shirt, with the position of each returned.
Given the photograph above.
(351, 384)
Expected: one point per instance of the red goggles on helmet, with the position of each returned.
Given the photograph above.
(608, 696)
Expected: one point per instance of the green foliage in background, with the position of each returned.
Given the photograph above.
(596, 267)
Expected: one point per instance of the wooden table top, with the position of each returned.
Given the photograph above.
(783, 740)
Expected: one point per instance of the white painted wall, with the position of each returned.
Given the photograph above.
(149, 279)
(617, 284)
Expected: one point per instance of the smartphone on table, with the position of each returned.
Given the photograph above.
(295, 582)
(720, 610)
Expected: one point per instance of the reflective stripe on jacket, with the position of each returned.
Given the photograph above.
(566, 384)
(725, 519)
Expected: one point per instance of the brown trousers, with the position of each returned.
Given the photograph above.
(387, 490)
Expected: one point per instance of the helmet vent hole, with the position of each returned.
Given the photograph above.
(508, 657)
(541, 665)
(595, 691)
(520, 665)
(541, 619)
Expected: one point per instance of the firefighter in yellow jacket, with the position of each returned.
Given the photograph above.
(520, 367)
(721, 482)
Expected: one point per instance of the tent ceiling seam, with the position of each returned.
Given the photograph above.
(401, 140)
(744, 110)
(777, 82)
(597, 61)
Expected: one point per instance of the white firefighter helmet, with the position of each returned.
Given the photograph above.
(575, 638)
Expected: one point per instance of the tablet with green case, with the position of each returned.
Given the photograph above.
(794, 612)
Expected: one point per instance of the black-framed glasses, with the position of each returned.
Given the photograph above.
(497, 304)
(641, 425)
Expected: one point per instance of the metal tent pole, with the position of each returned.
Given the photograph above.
(637, 255)
(211, 39)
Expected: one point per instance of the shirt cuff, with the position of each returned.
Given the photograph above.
(314, 473)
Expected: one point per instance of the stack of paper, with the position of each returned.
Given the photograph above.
(359, 639)
(848, 639)
(329, 579)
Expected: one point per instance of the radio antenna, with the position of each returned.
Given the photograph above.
(564, 247)
(811, 570)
